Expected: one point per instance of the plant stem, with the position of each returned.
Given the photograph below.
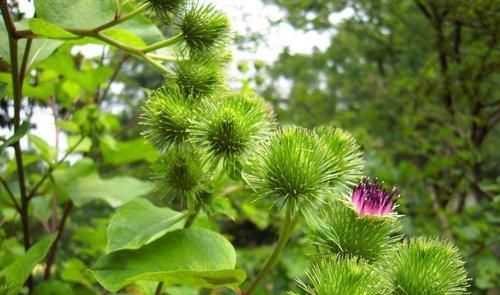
(170, 41)
(188, 224)
(121, 19)
(11, 195)
(24, 64)
(16, 84)
(286, 230)
(17, 89)
(52, 168)
(164, 57)
(51, 256)
(96, 33)
(159, 288)
(157, 65)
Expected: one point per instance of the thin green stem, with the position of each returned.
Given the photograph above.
(10, 193)
(164, 58)
(96, 33)
(16, 84)
(164, 43)
(17, 89)
(24, 64)
(158, 65)
(286, 230)
(53, 167)
(122, 19)
(131, 49)
(159, 288)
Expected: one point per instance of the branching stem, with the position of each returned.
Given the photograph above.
(52, 168)
(164, 43)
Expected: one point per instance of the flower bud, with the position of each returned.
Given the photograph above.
(166, 117)
(204, 28)
(427, 266)
(180, 173)
(197, 76)
(371, 199)
(350, 276)
(230, 128)
(293, 168)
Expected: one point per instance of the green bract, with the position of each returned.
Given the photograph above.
(166, 117)
(292, 167)
(427, 266)
(344, 276)
(204, 28)
(229, 128)
(347, 159)
(197, 76)
(341, 231)
(180, 173)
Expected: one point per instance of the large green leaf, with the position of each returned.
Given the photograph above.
(139, 222)
(82, 183)
(115, 191)
(76, 14)
(196, 257)
(123, 152)
(16, 273)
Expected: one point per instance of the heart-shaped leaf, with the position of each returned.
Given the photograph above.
(139, 222)
(196, 257)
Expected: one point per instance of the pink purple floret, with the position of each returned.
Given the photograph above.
(371, 199)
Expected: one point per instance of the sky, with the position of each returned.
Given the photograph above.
(242, 13)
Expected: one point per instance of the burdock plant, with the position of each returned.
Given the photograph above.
(204, 132)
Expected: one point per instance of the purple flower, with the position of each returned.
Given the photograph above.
(369, 198)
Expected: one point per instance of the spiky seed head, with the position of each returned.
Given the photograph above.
(347, 158)
(369, 198)
(340, 275)
(180, 173)
(229, 128)
(165, 9)
(292, 167)
(197, 76)
(339, 230)
(204, 28)
(427, 266)
(166, 117)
